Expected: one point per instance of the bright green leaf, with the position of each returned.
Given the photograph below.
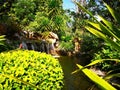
(98, 80)
(115, 15)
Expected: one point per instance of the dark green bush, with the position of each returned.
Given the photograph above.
(90, 44)
(107, 52)
(66, 46)
(29, 70)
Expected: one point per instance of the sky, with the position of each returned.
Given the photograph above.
(68, 4)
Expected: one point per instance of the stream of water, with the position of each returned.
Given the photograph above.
(77, 81)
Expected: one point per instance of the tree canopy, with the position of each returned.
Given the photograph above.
(39, 15)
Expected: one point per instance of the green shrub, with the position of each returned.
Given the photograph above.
(90, 43)
(29, 70)
(66, 46)
(107, 52)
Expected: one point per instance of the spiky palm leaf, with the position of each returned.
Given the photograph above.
(105, 31)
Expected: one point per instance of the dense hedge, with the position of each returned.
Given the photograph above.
(29, 70)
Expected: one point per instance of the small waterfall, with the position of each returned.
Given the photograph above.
(41, 46)
(33, 41)
(33, 47)
(24, 45)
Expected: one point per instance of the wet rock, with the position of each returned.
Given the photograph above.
(98, 72)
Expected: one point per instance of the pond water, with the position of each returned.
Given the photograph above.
(76, 81)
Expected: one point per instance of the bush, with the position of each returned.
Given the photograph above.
(66, 46)
(90, 44)
(29, 70)
(107, 52)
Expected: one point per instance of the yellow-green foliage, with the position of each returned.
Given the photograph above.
(102, 84)
(29, 70)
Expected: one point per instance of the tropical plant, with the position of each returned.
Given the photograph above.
(101, 83)
(39, 15)
(107, 52)
(66, 43)
(29, 70)
(110, 74)
(106, 31)
(23, 11)
(66, 46)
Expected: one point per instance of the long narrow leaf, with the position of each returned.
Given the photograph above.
(116, 85)
(96, 32)
(85, 10)
(2, 40)
(106, 30)
(95, 78)
(112, 71)
(97, 26)
(2, 37)
(111, 27)
(114, 44)
(102, 36)
(100, 27)
(107, 77)
(103, 27)
(101, 60)
(115, 15)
